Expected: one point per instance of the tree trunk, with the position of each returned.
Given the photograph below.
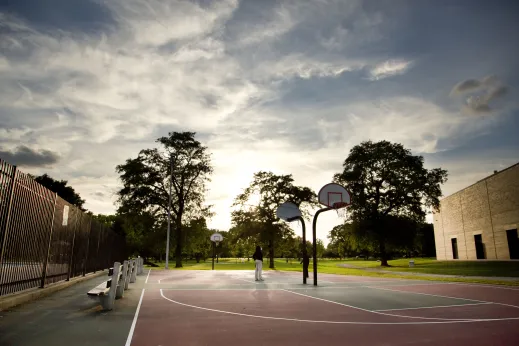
(383, 254)
(178, 249)
(271, 253)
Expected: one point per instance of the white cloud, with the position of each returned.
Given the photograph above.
(157, 23)
(96, 100)
(389, 68)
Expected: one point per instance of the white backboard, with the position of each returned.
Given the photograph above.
(216, 237)
(287, 211)
(331, 194)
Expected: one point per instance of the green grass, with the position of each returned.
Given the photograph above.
(432, 266)
(365, 268)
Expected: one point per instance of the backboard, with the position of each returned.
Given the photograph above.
(288, 211)
(334, 195)
(216, 237)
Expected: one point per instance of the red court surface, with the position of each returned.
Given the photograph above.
(230, 308)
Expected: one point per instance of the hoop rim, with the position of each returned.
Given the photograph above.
(340, 205)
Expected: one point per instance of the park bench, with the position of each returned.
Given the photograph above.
(114, 287)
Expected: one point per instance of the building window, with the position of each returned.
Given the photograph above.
(480, 248)
(513, 243)
(454, 243)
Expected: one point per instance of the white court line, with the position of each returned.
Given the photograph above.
(440, 296)
(147, 277)
(132, 329)
(483, 285)
(376, 312)
(331, 322)
(252, 282)
(433, 307)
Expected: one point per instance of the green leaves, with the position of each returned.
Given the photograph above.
(183, 165)
(386, 179)
(389, 189)
(60, 187)
(258, 204)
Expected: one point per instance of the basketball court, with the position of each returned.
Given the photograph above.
(229, 308)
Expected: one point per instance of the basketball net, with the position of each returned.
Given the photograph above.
(340, 208)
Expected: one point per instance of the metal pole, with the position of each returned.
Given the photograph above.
(46, 263)
(85, 261)
(3, 241)
(300, 218)
(315, 240)
(169, 212)
(214, 248)
(71, 262)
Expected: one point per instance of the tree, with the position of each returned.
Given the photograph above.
(198, 244)
(146, 182)
(348, 241)
(389, 188)
(320, 248)
(60, 187)
(271, 190)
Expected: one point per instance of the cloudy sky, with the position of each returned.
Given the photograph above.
(286, 86)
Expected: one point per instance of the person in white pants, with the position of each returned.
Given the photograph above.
(258, 259)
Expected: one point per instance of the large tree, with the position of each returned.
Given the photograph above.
(146, 182)
(62, 189)
(271, 190)
(391, 190)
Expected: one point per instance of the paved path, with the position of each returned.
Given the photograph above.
(380, 270)
(69, 317)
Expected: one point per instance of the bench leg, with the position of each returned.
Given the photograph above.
(121, 285)
(108, 300)
(133, 276)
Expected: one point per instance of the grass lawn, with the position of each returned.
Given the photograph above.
(365, 268)
(455, 267)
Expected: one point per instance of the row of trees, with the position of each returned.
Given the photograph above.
(390, 192)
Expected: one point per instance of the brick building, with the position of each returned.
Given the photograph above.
(480, 221)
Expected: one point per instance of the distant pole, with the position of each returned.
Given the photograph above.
(169, 211)
(214, 250)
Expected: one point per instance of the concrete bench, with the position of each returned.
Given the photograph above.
(120, 278)
(107, 291)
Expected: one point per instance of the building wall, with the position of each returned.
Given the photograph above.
(489, 207)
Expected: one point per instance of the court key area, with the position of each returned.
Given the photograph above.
(230, 308)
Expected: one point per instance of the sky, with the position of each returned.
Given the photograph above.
(282, 86)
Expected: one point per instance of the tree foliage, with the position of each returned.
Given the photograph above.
(146, 182)
(270, 190)
(62, 189)
(389, 189)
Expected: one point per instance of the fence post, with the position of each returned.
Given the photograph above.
(70, 262)
(44, 272)
(88, 246)
(3, 241)
(96, 264)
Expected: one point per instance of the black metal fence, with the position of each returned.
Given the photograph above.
(44, 239)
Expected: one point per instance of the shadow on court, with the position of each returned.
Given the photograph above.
(69, 317)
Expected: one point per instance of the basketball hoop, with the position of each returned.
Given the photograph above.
(340, 208)
(216, 238)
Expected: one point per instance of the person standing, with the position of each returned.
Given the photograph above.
(258, 259)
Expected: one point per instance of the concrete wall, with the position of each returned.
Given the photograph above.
(489, 207)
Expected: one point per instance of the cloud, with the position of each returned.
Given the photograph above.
(389, 68)
(27, 157)
(282, 86)
(466, 85)
(479, 93)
